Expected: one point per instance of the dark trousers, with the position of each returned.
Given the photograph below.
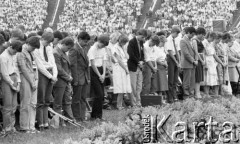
(147, 77)
(173, 72)
(97, 93)
(43, 99)
(62, 100)
(188, 81)
(79, 101)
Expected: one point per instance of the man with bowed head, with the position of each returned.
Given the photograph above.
(97, 57)
(10, 84)
(62, 88)
(189, 61)
(47, 77)
(135, 65)
(81, 75)
(29, 81)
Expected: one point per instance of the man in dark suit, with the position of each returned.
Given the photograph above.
(62, 88)
(81, 75)
(189, 61)
(135, 64)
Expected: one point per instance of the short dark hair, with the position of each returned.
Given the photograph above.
(142, 32)
(200, 30)
(161, 33)
(32, 34)
(190, 30)
(58, 34)
(123, 39)
(219, 35)
(34, 41)
(83, 36)
(68, 41)
(7, 35)
(16, 45)
(48, 36)
(2, 40)
(104, 38)
(40, 33)
(65, 34)
(226, 36)
(155, 39)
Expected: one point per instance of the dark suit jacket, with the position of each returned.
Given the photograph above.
(134, 54)
(63, 66)
(79, 65)
(188, 54)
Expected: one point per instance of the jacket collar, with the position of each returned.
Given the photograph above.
(62, 53)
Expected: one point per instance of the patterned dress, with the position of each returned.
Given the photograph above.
(211, 75)
(221, 52)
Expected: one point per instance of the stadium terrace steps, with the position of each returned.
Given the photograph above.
(151, 20)
(145, 9)
(50, 10)
(236, 20)
(59, 12)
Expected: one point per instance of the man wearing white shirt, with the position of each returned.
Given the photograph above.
(173, 60)
(150, 66)
(47, 77)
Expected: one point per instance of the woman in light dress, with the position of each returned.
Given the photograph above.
(233, 57)
(121, 77)
(212, 60)
(159, 80)
(110, 59)
(221, 51)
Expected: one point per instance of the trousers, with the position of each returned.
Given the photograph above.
(28, 102)
(97, 93)
(63, 100)
(9, 106)
(44, 92)
(79, 101)
(136, 84)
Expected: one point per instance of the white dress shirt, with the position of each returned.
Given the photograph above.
(169, 45)
(9, 66)
(44, 66)
(149, 52)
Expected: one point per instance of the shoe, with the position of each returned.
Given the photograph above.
(41, 129)
(34, 131)
(24, 131)
(120, 108)
(46, 127)
(198, 96)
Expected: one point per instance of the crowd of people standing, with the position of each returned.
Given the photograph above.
(30, 13)
(51, 67)
(100, 15)
(194, 13)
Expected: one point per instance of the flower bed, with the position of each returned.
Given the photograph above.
(131, 131)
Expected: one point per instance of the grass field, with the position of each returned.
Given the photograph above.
(57, 136)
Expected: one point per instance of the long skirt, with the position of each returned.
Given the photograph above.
(159, 80)
(199, 76)
(121, 80)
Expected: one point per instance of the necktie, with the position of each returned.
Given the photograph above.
(139, 48)
(45, 54)
(177, 55)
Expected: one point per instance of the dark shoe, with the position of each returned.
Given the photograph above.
(46, 128)
(41, 129)
(24, 131)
